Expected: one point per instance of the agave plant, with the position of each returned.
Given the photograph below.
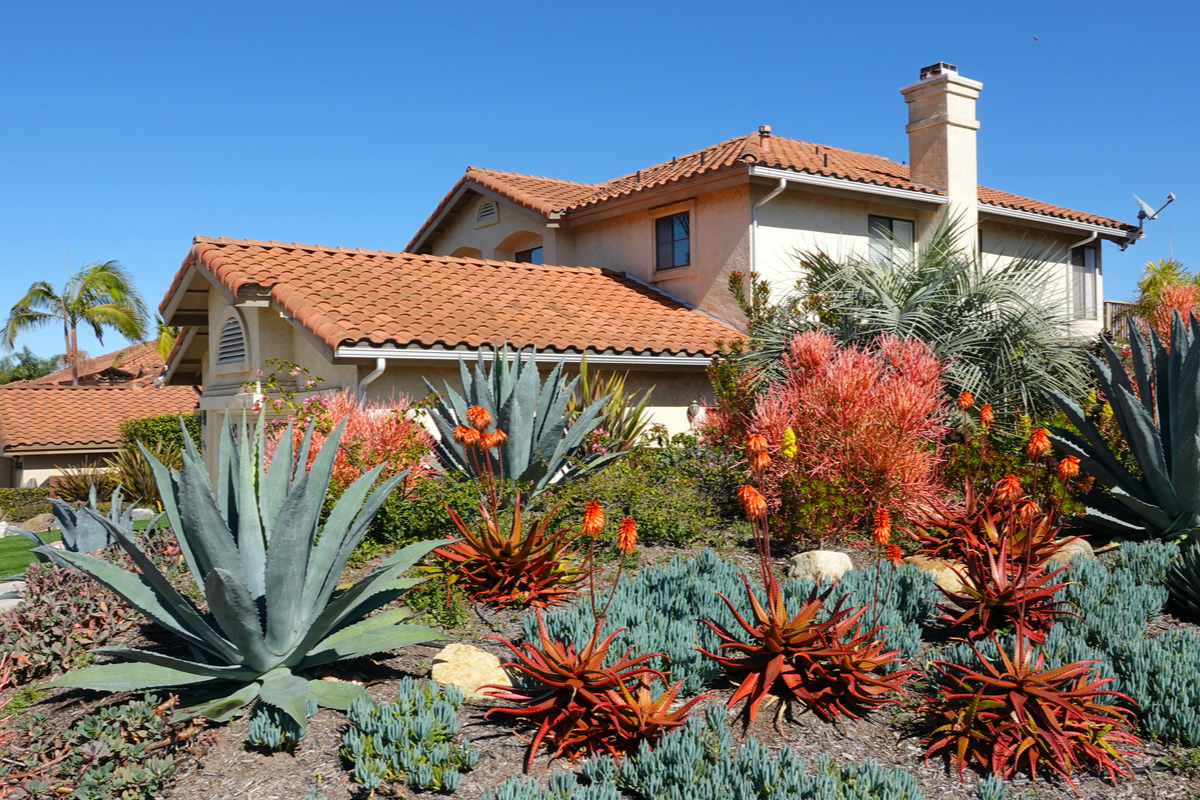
(819, 656)
(82, 532)
(268, 570)
(579, 703)
(1018, 713)
(1159, 416)
(544, 446)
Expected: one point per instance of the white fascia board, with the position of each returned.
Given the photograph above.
(846, 184)
(421, 354)
(183, 346)
(1046, 219)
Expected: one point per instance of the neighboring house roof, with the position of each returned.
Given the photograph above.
(547, 195)
(137, 363)
(346, 296)
(49, 417)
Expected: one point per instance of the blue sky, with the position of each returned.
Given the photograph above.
(128, 127)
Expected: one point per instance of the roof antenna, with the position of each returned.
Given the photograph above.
(1146, 212)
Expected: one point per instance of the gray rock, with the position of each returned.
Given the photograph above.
(42, 522)
(143, 514)
(815, 565)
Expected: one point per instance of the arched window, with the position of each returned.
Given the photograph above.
(231, 346)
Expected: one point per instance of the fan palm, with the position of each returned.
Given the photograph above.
(25, 365)
(996, 328)
(101, 295)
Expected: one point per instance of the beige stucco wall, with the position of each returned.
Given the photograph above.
(514, 228)
(39, 469)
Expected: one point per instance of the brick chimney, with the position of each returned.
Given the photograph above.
(941, 142)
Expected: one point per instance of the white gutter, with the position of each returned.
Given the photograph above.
(380, 366)
(1046, 219)
(847, 185)
(783, 182)
(391, 352)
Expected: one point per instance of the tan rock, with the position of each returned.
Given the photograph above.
(818, 565)
(42, 522)
(945, 573)
(468, 668)
(1071, 550)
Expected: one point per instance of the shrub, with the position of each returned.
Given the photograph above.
(412, 516)
(272, 730)
(851, 431)
(13, 501)
(409, 741)
(699, 762)
(272, 614)
(1019, 713)
(76, 484)
(165, 430)
(63, 616)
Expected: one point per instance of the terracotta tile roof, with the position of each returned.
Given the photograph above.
(347, 296)
(139, 361)
(547, 194)
(48, 416)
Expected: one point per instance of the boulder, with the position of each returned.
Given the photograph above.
(142, 514)
(1071, 550)
(11, 594)
(468, 668)
(944, 572)
(42, 522)
(4, 526)
(818, 565)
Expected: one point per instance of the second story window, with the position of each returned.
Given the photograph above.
(672, 241)
(1083, 282)
(531, 256)
(891, 239)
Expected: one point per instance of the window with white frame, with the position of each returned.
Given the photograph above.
(1084, 300)
(891, 239)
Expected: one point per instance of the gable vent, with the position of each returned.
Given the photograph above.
(487, 212)
(231, 346)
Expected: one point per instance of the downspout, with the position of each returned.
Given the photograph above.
(754, 223)
(1070, 274)
(380, 366)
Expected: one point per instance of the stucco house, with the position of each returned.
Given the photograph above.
(48, 425)
(632, 272)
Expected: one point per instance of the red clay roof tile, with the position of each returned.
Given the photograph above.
(407, 300)
(48, 415)
(140, 361)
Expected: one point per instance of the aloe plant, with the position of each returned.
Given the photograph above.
(1159, 419)
(268, 570)
(81, 532)
(543, 446)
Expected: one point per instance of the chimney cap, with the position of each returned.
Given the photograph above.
(940, 68)
(765, 130)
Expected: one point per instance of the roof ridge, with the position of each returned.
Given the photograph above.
(534, 177)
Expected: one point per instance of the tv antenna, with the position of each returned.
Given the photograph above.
(1145, 212)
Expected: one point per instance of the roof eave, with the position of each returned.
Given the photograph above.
(418, 352)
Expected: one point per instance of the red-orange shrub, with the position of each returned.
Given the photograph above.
(851, 431)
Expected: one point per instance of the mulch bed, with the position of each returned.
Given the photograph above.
(221, 766)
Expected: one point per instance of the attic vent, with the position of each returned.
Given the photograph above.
(487, 212)
(231, 347)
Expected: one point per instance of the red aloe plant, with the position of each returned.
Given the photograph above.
(580, 705)
(829, 664)
(1018, 713)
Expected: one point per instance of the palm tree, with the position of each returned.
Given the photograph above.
(99, 294)
(25, 365)
(164, 337)
(998, 331)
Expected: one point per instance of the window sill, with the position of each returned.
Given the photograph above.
(677, 273)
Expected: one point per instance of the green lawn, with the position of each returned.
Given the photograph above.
(15, 555)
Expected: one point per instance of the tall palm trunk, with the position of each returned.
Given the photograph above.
(67, 339)
(74, 356)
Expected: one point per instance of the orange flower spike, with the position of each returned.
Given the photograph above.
(882, 532)
(965, 401)
(756, 444)
(466, 436)
(1027, 510)
(752, 502)
(1068, 468)
(1039, 444)
(759, 463)
(478, 418)
(986, 415)
(627, 535)
(1009, 488)
(593, 518)
(894, 553)
(493, 439)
